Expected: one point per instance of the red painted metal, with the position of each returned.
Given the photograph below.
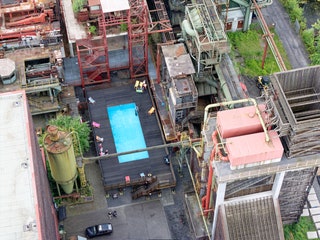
(138, 38)
(216, 149)
(264, 54)
(27, 20)
(90, 51)
(158, 64)
(206, 199)
(139, 27)
(209, 185)
(252, 149)
(240, 121)
(269, 35)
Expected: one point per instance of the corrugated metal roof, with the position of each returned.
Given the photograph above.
(17, 196)
(114, 5)
(252, 148)
(252, 219)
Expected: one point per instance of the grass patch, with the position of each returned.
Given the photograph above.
(248, 49)
(298, 231)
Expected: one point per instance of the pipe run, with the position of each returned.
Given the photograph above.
(199, 201)
(216, 149)
(174, 144)
(209, 185)
(206, 199)
(206, 111)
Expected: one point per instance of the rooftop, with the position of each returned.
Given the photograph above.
(18, 196)
(177, 60)
(75, 29)
(114, 5)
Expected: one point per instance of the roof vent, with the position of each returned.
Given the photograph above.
(26, 228)
(17, 104)
(24, 165)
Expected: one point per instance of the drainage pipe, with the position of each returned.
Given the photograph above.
(206, 110)
(206, 199)
(199, 202)
(208, 194)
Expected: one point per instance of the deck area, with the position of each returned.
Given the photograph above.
(113, 172)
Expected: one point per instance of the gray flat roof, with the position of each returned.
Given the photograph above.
(18, 199)
(75, 30)
(177, 60)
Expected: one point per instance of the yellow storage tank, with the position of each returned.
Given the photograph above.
(62, 161)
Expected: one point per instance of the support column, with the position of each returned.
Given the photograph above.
(221, 192)
(277, 184)
(71, 49)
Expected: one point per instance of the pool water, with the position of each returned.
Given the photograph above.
(127, 132)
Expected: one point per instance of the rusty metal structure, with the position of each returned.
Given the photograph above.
(204, 34)
(27, 18)
(295, 104)
(30, 39)
(130, 22)
(234, 183)
(180, 87)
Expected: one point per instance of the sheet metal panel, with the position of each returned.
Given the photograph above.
(250, 149)
(240, 121)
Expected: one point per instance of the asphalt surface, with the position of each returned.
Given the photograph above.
(154, 217)
(291, 40)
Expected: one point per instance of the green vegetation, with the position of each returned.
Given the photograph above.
(81, 144)
(310, 37)
(93, 30)
(77, 5)
(248, 49)
(298, 231)
(123, 27)
(82, 131)
(315, 48)
(295, 12)
(80, 138)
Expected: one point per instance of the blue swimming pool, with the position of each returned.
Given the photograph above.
(127, 132)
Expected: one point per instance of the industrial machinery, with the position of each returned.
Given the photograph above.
(262, 82)
(27, 18)
(42, 83)
(59, 148)
(206, 41)
(256, 154)
(8, 71)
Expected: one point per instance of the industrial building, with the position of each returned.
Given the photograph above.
(252, 161)
(27, 207)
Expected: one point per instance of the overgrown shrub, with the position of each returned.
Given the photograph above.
(298, 231)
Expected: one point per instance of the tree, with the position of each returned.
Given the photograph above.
(315, 55)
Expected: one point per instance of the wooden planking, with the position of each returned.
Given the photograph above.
(112, 171)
